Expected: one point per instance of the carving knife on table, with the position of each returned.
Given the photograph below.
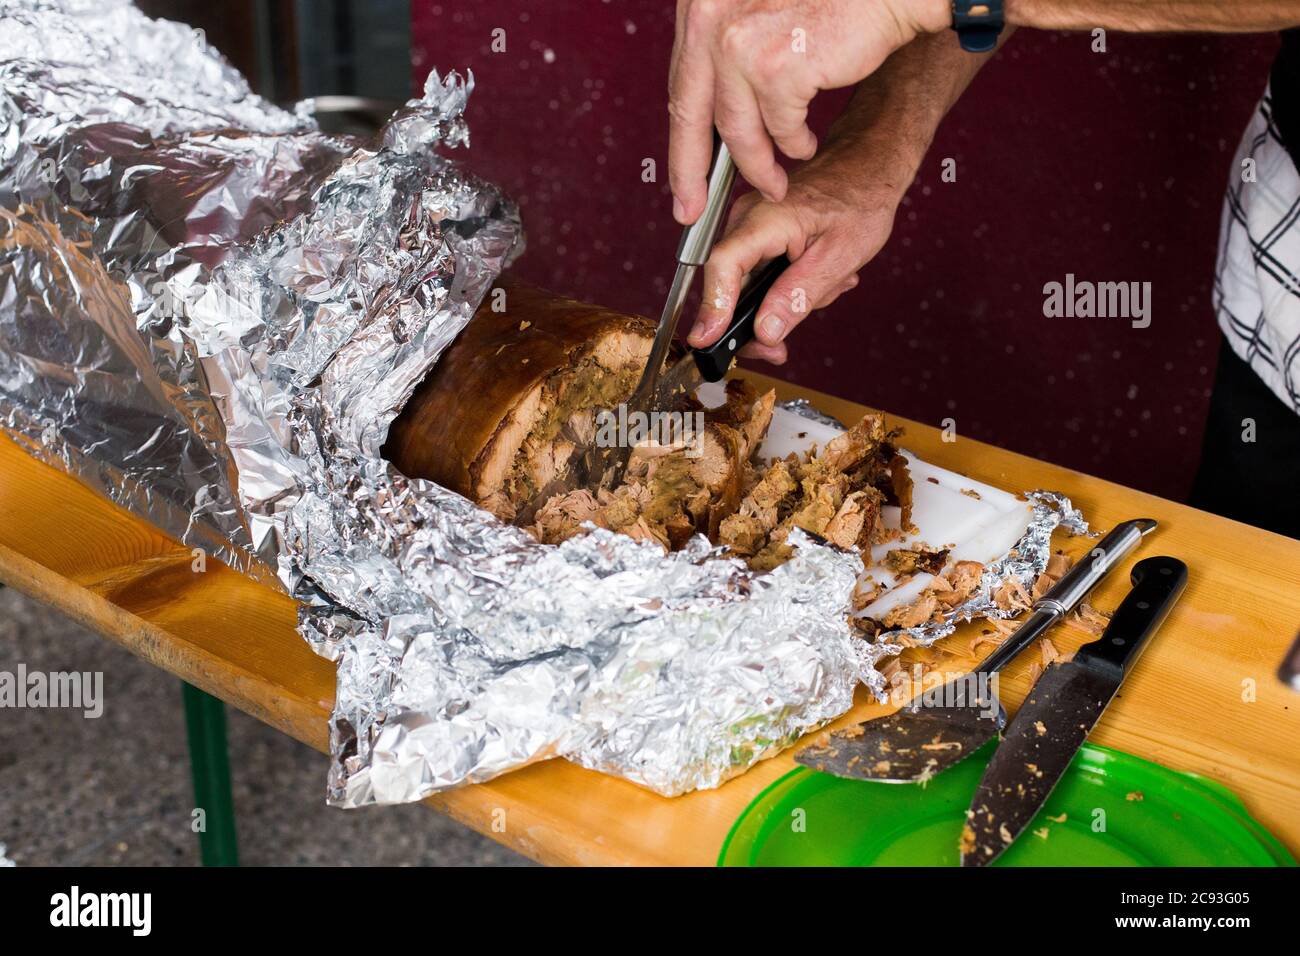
(1060, 712)
(605, 466)
(942, 727)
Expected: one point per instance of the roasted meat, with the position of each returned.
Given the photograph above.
(499, 417)
(732, 498)
(507, 411)
(672, 493)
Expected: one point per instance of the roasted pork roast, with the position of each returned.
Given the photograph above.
(504, 410)
(506, 413)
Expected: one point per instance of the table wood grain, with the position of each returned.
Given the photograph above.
(1203, 698)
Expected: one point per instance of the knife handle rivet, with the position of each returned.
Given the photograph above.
(1143, 605)
(1118, 641)
(731, 345)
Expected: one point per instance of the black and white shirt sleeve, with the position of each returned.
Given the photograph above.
(1257, 279)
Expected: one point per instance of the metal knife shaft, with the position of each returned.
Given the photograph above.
(1108, 552)
(692, 252)
(697, 238)
(645, 389)
(1029, 631)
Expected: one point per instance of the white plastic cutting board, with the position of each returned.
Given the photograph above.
(975, 529)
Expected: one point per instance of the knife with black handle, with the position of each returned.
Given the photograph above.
(1060, 712)
(942, 727)
(710, 364)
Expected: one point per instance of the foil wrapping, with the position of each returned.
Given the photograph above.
(211, 312)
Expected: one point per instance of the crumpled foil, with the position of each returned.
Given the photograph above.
(211, 312)
(805, 409)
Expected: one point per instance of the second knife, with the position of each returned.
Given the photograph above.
(943, 726)
(1060, 712)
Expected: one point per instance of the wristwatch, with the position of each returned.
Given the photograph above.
(978, 23)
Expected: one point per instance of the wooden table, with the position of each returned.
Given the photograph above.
(1203, 698)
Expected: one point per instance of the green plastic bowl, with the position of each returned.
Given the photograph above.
(1119, 810)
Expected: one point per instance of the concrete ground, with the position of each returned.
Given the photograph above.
(115, 790)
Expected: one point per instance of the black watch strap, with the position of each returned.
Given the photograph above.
(978, 23)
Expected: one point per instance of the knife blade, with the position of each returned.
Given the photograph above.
(1060, 712)
(605, 466)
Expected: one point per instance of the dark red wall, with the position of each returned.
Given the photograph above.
(1110, 166)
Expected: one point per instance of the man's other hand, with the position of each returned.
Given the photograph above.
(833, 219)
(751, 67)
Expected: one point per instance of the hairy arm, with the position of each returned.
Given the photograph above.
(1156, 16)
(894, 113)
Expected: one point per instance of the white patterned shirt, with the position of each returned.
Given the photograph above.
(1256, 288)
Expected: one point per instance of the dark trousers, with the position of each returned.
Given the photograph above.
(1255, 482)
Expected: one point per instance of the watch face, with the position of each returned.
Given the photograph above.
(978, 39)
(978, 24)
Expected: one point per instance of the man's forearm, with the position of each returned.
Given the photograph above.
(1155, 16)
(894, 113)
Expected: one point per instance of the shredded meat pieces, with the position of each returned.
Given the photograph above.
(914, 560)
(723, 492)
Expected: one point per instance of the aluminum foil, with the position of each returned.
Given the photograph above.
(103, 193)
(805, 409)
(212, 312)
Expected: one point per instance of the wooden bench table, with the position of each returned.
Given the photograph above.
(1204, 698)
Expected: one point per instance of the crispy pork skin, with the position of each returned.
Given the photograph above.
(499, 417)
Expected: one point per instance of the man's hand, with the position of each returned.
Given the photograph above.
(839, 207)
(834, 218)
(751, 67)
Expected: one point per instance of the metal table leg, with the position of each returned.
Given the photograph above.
(205, 721)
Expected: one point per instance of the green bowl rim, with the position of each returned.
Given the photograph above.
(1212, 789)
